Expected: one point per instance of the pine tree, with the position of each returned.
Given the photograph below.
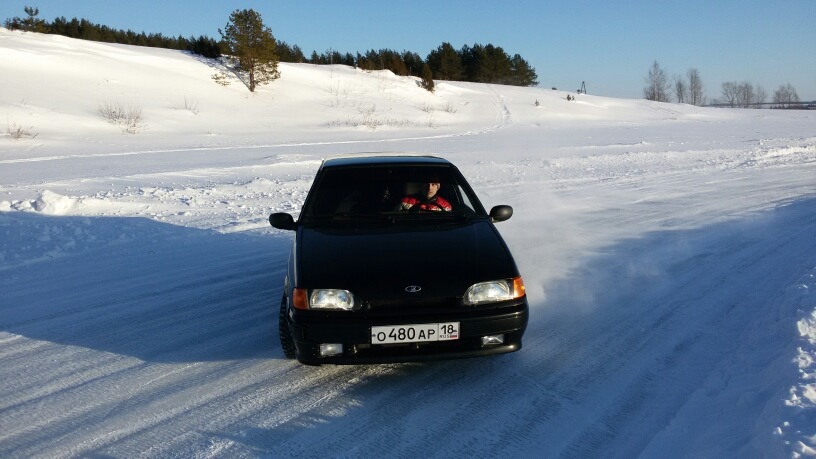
(251, 43)
(413, 63)
(446, 63)
(521, 74)
(31, 23)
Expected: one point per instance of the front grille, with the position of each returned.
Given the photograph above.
(415, 306)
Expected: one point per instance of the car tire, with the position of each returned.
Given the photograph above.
(287, 344)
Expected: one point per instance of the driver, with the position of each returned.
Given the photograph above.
(426, 199)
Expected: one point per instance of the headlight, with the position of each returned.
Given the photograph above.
(331, 299)
(493, 291)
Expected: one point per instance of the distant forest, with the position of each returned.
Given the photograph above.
(477, 63)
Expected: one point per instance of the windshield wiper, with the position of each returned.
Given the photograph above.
(404, 216)
(345, 219)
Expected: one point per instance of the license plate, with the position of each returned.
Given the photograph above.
(415, 333)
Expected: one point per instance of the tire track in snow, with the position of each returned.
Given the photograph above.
(87, 393)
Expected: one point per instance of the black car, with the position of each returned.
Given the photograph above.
(381, 271)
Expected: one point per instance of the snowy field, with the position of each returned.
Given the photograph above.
(669, 253)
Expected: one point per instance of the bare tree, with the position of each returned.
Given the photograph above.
(680, 89)
(657, 84)
(745, 95)
(695, 88)
(760, 96)
(730, 93)
(785, 95)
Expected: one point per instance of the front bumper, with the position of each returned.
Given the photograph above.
(309, 330)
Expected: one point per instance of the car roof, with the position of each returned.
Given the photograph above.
(384, 160)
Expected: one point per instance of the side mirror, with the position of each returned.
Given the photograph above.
(500, 213)
(281, 220)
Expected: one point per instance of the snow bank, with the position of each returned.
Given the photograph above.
(51, 203)
(797, 430)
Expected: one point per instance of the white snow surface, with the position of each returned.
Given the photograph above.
(669, 253)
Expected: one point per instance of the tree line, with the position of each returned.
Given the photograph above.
(744, 95)
(689, 90)
(87, 30)
(686, 90)
(477, 63)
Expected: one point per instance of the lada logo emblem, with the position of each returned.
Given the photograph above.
(413, 288)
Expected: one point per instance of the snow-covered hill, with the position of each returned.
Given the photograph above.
(668, 250)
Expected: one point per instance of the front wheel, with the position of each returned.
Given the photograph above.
(287, 344)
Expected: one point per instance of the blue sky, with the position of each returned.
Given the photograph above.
(608, 44)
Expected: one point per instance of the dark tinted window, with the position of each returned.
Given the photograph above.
(378, 190)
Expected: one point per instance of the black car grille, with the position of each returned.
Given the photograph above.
(415, 306)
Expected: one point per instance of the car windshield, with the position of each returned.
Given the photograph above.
(393, 193)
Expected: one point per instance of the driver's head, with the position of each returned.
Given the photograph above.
(430, 189)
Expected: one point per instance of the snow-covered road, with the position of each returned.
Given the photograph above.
(159, 339)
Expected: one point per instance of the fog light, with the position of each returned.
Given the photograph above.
(491, 340)
(330, 349)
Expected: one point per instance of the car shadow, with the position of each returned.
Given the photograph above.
(141, 288)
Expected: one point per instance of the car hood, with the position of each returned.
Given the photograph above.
(443, 261)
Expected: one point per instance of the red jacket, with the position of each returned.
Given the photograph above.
(435, 203)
